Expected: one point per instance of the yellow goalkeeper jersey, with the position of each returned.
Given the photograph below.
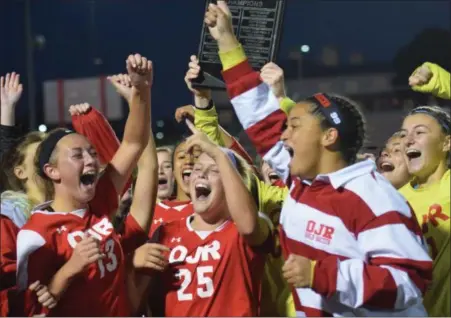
(432, 208)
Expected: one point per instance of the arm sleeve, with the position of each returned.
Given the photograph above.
(106, 199)
(270, 199)
(8, 236)
(94, 126)
(206, 120)
(133, 236)
(440, 83)
(258, 111)
(397, 272)
(35, 262)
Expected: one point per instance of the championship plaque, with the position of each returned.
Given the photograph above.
(258, 27)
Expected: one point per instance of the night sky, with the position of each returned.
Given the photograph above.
(168, 31)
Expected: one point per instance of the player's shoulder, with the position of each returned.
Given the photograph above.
(378, 194)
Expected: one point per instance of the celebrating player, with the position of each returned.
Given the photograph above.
(392, 164)
(165, 173)
(75, 250)
(335, 207)
(218, 253)
(426, 137)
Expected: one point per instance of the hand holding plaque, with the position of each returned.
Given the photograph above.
(218, 19)
(256, 25)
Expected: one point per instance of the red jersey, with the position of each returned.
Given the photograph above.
(218, 273)
(168, 211)
(47, 241)
(8, 231)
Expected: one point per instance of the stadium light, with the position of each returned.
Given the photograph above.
(42, 128)
(305, 48)
(160, 135)
(160, 123)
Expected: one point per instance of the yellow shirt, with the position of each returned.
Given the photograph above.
(432, 208)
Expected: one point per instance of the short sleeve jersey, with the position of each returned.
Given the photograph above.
(46, 243)
(217, 272)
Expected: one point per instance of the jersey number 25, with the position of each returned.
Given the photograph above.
(204, 288)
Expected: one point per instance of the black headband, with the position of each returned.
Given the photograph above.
(330, 110)
(433, 114)
(48, 145)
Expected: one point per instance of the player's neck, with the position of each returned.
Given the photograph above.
(431, 178)
(203, 223)
(66, 203)
(181, 195)
(34, 193)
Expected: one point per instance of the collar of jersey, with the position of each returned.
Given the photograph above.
(339, 178)
(190, 228)
(40, 208)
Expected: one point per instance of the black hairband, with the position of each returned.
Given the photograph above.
(48, 145)
(426, 111)
(329, 109)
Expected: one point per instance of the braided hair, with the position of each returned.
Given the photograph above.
(351, 140)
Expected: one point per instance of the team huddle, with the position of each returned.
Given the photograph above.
(94, 226)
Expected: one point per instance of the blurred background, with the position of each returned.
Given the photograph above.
(63, 50)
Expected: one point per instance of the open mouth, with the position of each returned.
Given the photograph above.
(88, 178)
(273, 177)
(386, 166)
(413, 154)
(186, 175)
(202, 191)
(290, 150)
(162, 181)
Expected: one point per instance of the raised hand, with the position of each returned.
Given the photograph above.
(201, 140)
(218, 18)
(10, 90)
(297, 271)
(184, 112)
(192, 73)
(151, 256)
(79, 109)
(45, 298)
(140, 71)
(421, 76)
(86, 252)
(123, 85)
(272, 74)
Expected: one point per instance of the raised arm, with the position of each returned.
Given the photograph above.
(10, 93)
(241, 204)
(255, 104)
(431, 78)
(137, 127)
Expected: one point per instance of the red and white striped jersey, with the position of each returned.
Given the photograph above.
(368, 247)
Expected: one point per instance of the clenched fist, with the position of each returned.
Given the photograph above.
(421, 76)
(123, 85)
(140, 71)
(297, 271)
(184, 112)
(45, 298)
(79, 109)
(193, 73)
(272, 74)
(218, 18)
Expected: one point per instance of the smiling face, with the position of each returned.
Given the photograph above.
(425, 144)
(76, 168)
(269, 175)
(165, 175)
(303, 140)
(183, 166)
(207, 191)
(392, 164)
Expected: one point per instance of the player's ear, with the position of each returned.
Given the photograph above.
(52, 172)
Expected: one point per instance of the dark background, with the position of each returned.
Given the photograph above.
(85, 38)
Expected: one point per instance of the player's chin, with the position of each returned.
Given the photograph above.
(86, 193)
